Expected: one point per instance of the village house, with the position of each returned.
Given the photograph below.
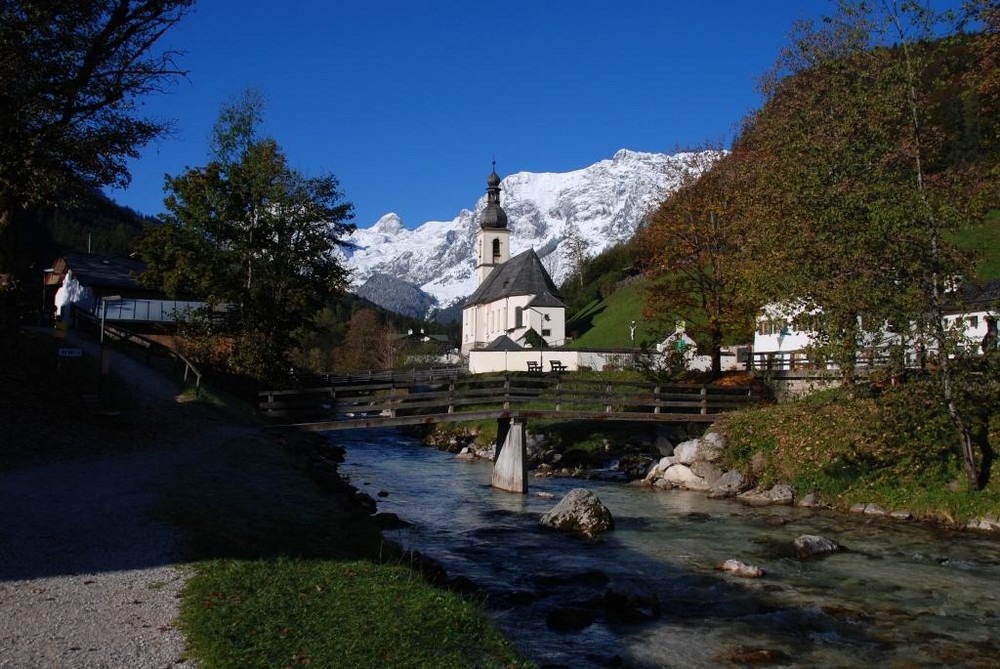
(107, 288)
(784, 331)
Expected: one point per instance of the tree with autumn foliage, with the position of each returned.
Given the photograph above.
(692, 249)
(880, 141)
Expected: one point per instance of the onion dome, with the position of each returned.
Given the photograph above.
(493, 216)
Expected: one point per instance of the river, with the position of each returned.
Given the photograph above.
(900, 594)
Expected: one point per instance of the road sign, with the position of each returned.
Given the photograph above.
(70, 352)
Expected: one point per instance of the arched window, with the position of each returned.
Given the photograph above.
(496, 249)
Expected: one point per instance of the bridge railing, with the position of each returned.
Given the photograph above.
(398, 401)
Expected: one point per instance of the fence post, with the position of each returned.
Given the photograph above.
(607, 398)
(656, 399)
(451, 396)
(704, 399)
(558, 394)
(506, 391)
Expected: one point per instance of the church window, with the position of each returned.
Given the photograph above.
(496, 249)
(518, 317)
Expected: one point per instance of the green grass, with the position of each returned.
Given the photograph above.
(605, 324)
(984, 240)
(896, 449)
(285, 575)
(324, 613)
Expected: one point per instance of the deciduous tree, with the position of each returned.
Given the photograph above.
(870, 131)
(693, 251)
(73, 74)
(252, 232)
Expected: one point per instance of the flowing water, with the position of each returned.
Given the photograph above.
(899, 594)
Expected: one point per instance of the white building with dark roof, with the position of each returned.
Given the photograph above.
(514, 295)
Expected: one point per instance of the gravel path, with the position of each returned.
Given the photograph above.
(87, 578)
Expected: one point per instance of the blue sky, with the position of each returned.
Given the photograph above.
(408, 102)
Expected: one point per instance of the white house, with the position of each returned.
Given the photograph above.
(784, 330)
(514, 295)
(108, 288)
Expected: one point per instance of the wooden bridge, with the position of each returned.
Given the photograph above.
(425, 397)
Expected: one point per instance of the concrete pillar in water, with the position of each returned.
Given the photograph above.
(510, 467)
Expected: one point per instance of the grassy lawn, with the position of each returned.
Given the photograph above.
(984, 240)
(285, 575)
(605, 324)
(896, 449)
(289, 612)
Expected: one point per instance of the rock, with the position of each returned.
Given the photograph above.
(741, 569)
(686, 452)
(663, 484)
(901, 514)
(681, 476)
(987, 523)
(466, 454)
(570, 618)
(541, 494)
(754, 498)
(630, 607)
(810, 501)
(588, 577)
(663, 445)
(708, 471)
(579, 512)
(706, 449)
(811, 545)
(868, 509)
(782, 494)
(729, 484)
(656, 471)
(389, 521)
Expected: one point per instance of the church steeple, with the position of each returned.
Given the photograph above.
(493, 240)
(493, 216)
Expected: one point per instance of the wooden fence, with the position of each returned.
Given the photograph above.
(408, 400)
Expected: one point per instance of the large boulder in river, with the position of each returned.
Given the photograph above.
(730, 484)
(681, 476)
(706, 449)
(812, 545)
(579, 512)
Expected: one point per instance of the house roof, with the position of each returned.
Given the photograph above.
(521, 275)
(981, 292)
(504, 343)
(100, 271)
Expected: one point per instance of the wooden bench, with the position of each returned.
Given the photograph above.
(534, 366)
(557, 366)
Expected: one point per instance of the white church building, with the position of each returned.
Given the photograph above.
(514, 295)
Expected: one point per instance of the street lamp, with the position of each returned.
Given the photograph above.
(104, 310)
(45, 275)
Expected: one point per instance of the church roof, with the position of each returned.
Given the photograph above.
(521, 275)
(504, 343)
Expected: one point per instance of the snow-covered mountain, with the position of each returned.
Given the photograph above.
(603, 203)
